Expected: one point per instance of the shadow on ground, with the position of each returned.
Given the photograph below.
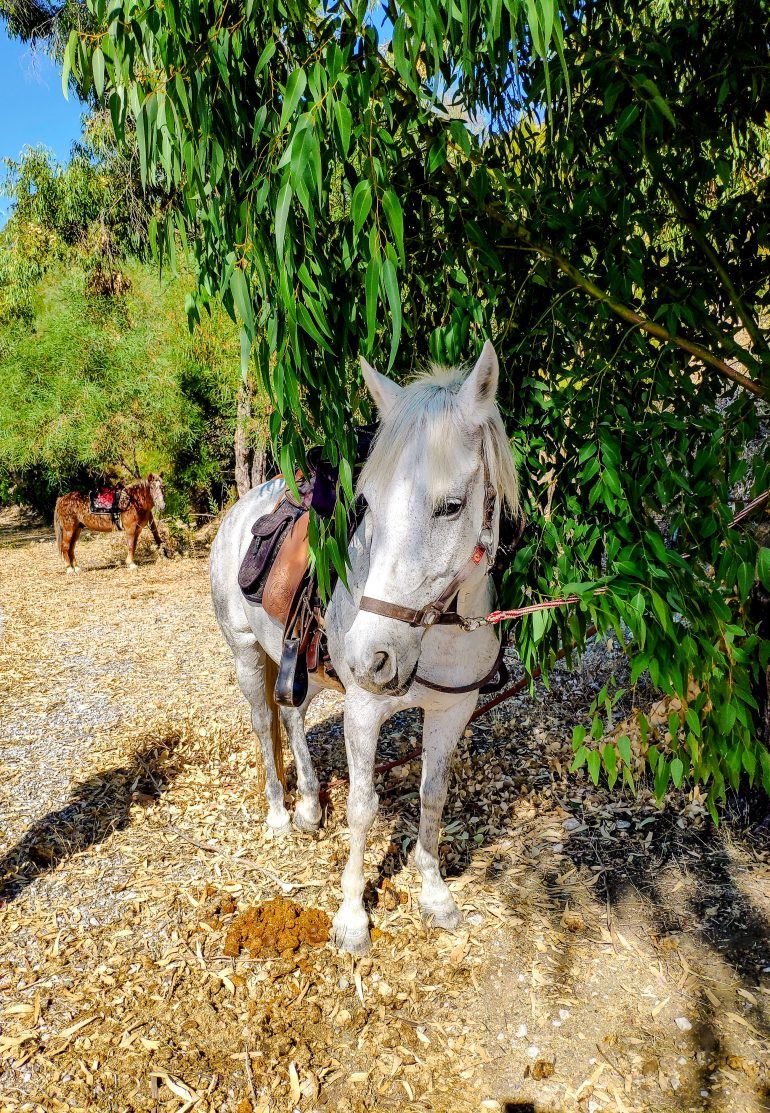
(16, 533)
(97, 807)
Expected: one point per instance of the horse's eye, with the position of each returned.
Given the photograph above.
(448, 508)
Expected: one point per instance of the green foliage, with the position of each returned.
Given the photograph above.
(98, 371)
(38, 21)
(104, 384)
(86, 209)
(262, 139)
(63, 200)
(603, 220)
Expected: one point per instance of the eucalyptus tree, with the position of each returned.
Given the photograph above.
(588, 186)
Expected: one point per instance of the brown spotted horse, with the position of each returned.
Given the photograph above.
(136, 502)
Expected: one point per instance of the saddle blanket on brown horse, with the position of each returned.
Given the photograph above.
(104, 499)
(109, 500)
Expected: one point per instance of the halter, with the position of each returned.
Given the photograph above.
(438, 613)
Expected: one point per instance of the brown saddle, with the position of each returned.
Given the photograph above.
(274, 574)
(288, 570)
(291, 597)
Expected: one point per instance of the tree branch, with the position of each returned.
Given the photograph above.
(733, 349)
(690, 222)
(624, 312)
(585, 284)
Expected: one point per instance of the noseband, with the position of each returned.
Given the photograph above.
(437, 612)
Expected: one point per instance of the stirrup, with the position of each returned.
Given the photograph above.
(292, 684)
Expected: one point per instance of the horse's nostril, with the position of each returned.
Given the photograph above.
(380, 663)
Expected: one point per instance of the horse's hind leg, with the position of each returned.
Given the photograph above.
(76, 531)
(66, 546)
(250, 671)
(307, 813)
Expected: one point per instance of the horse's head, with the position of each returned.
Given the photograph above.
(155, 483)
(440, 443)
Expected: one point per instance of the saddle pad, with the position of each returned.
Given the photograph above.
(103, 501)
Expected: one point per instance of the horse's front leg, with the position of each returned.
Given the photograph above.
(364, 715)
(132, 537)
(440, 734)
(156, 535)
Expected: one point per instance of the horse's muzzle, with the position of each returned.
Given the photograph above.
(380, 664)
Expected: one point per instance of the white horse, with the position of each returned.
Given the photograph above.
(434, 483)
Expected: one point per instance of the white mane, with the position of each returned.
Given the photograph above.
(428, 409)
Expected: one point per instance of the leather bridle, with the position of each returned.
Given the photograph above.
(438, 612)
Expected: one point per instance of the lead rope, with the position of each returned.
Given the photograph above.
(491, 619)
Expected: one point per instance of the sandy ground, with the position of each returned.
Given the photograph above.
(613, 955)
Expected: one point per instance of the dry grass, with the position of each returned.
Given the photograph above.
(613, 955)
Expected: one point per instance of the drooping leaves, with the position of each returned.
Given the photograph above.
(508, 169)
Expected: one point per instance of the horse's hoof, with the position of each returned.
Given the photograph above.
(279, 826)
(305, 825)
(351, 937)
(77, 568)
(444, 914)
(69, 570)
(307, 815)
(132, 567)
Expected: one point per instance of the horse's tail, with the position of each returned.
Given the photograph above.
(276, 729)
(57, 528)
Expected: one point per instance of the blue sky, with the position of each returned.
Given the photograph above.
(34, 109)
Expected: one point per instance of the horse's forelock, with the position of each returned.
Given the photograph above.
(429, 408)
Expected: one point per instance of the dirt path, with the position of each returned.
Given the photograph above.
(613, 955)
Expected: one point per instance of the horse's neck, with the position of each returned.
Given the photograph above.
(139, 495)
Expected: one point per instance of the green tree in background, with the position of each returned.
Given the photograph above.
(98, 371)
(588, 186)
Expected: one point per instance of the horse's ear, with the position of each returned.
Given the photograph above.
(477, 394)
(385, 392)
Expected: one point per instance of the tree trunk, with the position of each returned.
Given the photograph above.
(249, 462)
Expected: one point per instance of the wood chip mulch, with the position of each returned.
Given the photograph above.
(613, 954)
